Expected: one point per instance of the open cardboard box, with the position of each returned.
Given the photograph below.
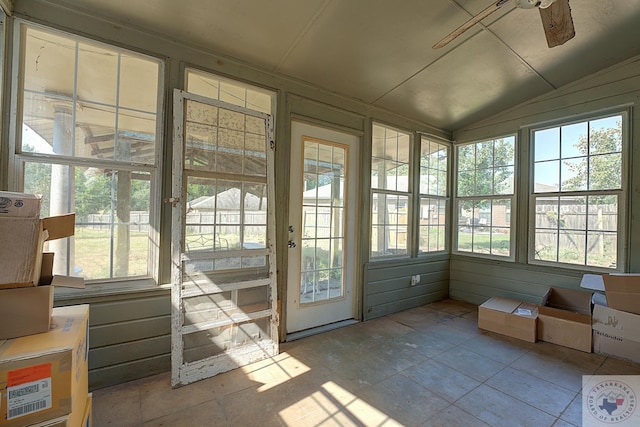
(616, 333)
(509, 317)
(27, 310)
(623, 291)
(21, 261)
(565, 318)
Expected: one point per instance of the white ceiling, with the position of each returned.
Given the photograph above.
(379, 51)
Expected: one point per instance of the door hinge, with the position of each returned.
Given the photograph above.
(272, 144)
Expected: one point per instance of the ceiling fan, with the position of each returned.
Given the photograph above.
(555, 14)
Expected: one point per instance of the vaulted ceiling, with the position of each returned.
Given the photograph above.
(380, 51)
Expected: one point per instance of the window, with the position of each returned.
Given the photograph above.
(576, 193)
(433, 195)
(484, 197)
(88, 143)
(390, 192)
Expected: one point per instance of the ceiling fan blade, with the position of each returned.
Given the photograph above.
(470, 23)
(557, 23)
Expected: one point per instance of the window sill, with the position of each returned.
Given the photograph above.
(396, 261)
(110, 290)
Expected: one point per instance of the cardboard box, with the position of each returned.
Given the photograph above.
(616, 333)
(565, 319)
(509, 317)
(23, 240)
(87, 416)
(83, 419)
(19, 205)
(45, 376)
(623, 291)
(27, 311)
(57, 422)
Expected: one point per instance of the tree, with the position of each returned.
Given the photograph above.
(604, 162)
(486, 168)
(93, 193)
(37, 180)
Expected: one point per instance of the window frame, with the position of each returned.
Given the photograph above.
(622, 193)
(18, 158)
(455, 217)
(409, 194)
(446, 199)
(413, 196)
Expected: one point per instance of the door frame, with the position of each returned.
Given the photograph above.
(358, 275)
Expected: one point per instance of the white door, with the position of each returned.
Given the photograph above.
(223, 250)
(322, 230)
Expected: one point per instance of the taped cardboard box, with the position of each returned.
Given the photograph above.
(616, 333)
(22, 245)
(45, 376)
(509, 317)
(565, 319)
(623, 291)
(27, 311)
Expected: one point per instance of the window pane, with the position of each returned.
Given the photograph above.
(389, 220)
(390, 159)
(484, 226)
(433, 168)
(602, 249)
(97, 65)
(547, 144)
(605, 135)
(591, 156)
(547, 177)
(504, 152)
(432, 224)
(573, 140)
(49, 60)
(489, 171)
(603, 172)
(503, 180)
(466, 183)
(112, 218)
(573, 173)
(88, 100)
(138, 83)
(236, 93)
(577, 230)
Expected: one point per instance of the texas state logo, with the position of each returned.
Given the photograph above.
(610, 402)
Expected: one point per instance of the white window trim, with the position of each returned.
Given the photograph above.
(16, 160)
(513, 197)
(623, 194)
(446, 198)
(410, 194)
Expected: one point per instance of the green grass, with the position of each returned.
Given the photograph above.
(93, 248)
(484, 243)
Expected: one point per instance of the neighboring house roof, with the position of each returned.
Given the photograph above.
(228, 199)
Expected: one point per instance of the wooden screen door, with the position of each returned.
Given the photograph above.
(322, 232)
(223, 250)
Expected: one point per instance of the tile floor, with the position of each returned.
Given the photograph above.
(429, 366)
